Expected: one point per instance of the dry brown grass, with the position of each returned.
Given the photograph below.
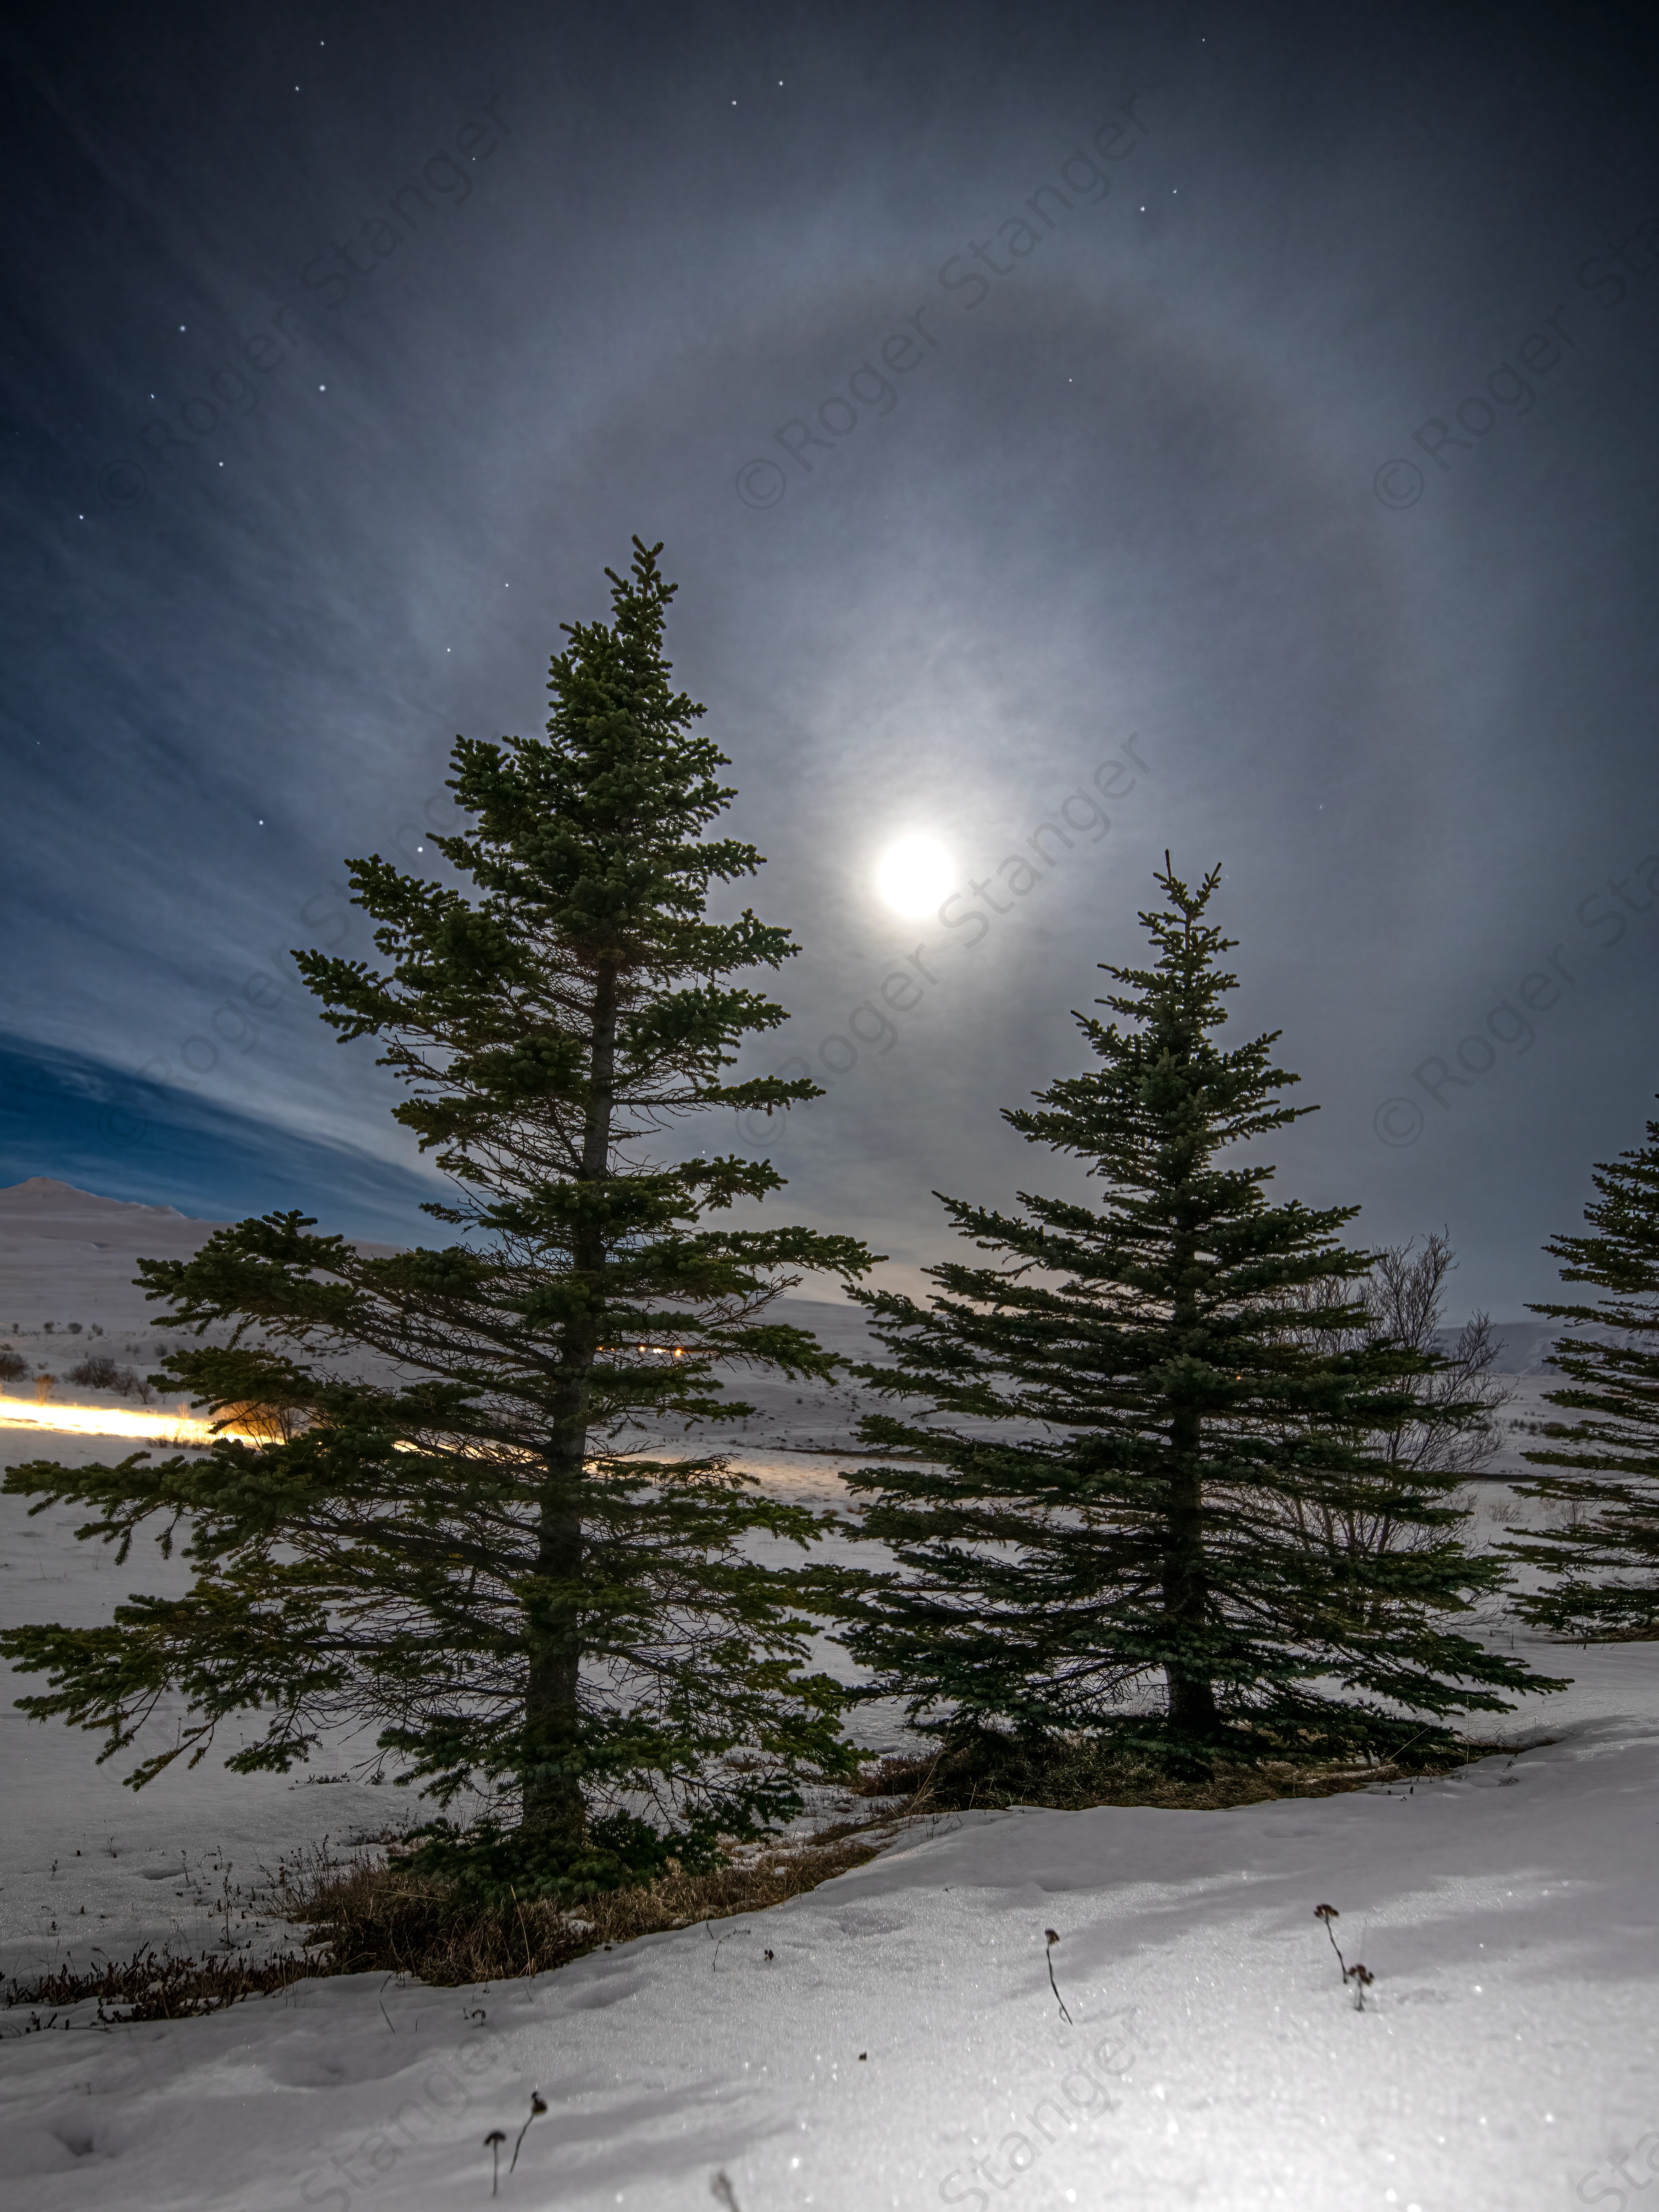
(1070, 1776)
(380, 1917)
(376, 1918)
(156, 1985)
(260, 1425)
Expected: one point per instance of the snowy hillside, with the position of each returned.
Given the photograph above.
(66, 1258)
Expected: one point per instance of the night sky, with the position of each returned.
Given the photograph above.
(1228, 429)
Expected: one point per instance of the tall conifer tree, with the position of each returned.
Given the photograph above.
(1603, 1564)
(475, 1537)
(1125, 1411)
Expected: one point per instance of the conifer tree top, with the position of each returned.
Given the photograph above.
(591, 872)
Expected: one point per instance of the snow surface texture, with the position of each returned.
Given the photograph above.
(902, 2046)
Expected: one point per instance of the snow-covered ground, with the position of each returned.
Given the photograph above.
(901, 2045)
(891, 2039)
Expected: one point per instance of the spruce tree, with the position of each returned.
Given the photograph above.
(1604, 1563)
(459, 1520)
(1114, 1425)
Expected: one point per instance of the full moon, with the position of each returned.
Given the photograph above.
(915, 874)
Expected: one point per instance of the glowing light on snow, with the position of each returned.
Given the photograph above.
(915, 874)
(181, 1426)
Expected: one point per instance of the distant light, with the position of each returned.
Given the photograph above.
(105, 1421)
(915, 874)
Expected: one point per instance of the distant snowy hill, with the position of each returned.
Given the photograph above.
(43, 1198)
(66, 1254)
(69, 1255)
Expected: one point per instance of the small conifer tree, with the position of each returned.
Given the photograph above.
(460, 1520)
(1117, 1429)
(1603, 1564)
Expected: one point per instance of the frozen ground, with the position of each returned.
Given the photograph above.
(901, 2045)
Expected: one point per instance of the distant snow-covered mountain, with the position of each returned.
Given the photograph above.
(67, 1255)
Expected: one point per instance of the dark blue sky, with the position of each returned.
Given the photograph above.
(1267, 390)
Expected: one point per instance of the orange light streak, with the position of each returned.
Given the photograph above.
(179, 1427)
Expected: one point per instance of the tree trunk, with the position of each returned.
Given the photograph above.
(1192, 1694)
(552, 1788)
(552, 1794)
(1185, 1585)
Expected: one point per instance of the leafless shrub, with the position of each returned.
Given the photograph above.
(97, 1371)
(152, 1985)
(1402, 1299)
(266, 1424)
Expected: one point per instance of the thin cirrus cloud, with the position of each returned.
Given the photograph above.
(1143, 484)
